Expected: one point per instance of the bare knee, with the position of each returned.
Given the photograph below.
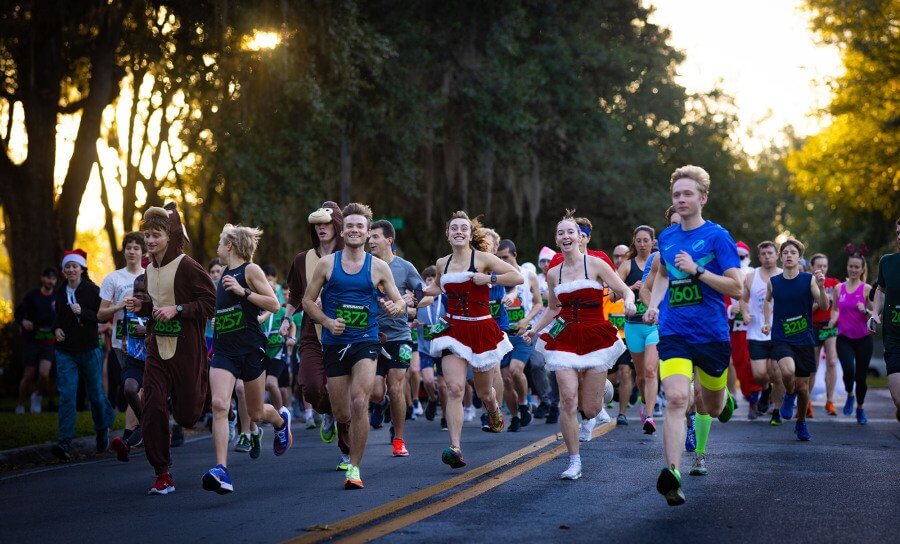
(359, 405)
(568, 403)
(678, 400)
(454, 391)
(220, 405)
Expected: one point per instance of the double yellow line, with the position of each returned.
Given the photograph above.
(327, 532)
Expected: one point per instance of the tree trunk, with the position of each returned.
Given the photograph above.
(346, 169)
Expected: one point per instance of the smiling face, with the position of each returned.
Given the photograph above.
(854, 268)
(157, 242)
(355, 231)
(687, 198)
(378, 243)
(133, 253)
(459, 233)
(72, 271)
(567, 236)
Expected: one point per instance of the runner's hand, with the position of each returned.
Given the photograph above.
(630, 309)
(637, 285)
(651, 316)
(390, 307)
(336, 326)
(747, 318)
(166, 313)
(409, 299)
(510, 298)
(481, 279)
(766, 329)
(873, 323)
(232, 286)
(60, 335)
(132, 304)
(861, 307)
(831, 323)
(27, 325)
(685, 263)
(76, 308)
(529, 336)
(285, 327)
(522, 327)
(820, 278)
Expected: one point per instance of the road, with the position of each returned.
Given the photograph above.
(763, 485)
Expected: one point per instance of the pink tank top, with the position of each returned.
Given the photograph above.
(851, 322)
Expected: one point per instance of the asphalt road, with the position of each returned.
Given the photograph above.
(763, 485)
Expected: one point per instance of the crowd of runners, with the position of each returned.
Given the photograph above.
(357, 337)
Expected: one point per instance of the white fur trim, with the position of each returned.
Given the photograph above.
(480, 362)
(602, 359)
(456, 277)
(572, 286)
(74, 258)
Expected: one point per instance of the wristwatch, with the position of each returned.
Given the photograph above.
(247, 292)
(493, 278)
(178, 309)
(700, 271)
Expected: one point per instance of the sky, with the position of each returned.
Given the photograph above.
(761, 52)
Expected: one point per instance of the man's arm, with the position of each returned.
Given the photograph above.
(203, 304)
(658, 291)
(647, 288)
(767, 309)
(394, 305)
(313, 289)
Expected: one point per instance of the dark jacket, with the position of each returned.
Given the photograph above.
(81, 331)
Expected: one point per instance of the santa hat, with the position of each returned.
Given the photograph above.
(745, 247)
(75, 256)
(546, 254)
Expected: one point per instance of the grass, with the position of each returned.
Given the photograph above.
(877, 382)
(28, 429)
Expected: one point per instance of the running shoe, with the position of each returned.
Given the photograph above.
(484, 423)
(136, 438)
(399, 448)
(352, 479)
(376, 414)
(633, 398)
(469, 414)
(243, 443)
(431, 410)
(776, 418)
(177, 436)
(36, 403)
(515, 424)
(586, 430)
(657, 411)
(829, 408)
(343, 463)
(573, 472)
(603, 417)
(417, 408)
(391, 431)
(641, 413)
(848, 406)
(453, 457)
(495, 421)
(809, 411)
(699, 466)
(121, 448)
(621, 420)
(541, 411)
(787, 406)
(232, 429)
(649, 426)
(752, 413)
(217, 479)
(328, 428)
(802, 431)
(690, 437)
(444, 424)
(284, 438)
(763, 405)
(163, 485)
(861, 416)
(256, 443)
(102, 441)
(525, 415)
(669, 485)
(553, 415)
(728, 409)
(310, 424)
(62, 451)
(410, 413)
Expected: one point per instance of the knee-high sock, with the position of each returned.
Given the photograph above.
(702, 424)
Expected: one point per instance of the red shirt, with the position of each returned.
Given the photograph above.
(821, 315)
(558, 258)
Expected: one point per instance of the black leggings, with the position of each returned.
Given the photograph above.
(855, 355)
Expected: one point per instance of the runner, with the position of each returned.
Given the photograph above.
(325, 226)
(431, 310)
(825, 335)
(792, 293)
(699, 264)
(278, 373)
(741, 369)
(501, 317)
(180, 298)
(468, 335)
(35, 315)
(764, 366)
(114, 289)
(396, 353)
(621, 373)
(523, 305)
(887, 300)
(544, 384)
(241, 350)
(77, 354)
(641, 337)
(349, 283)
(581, 346)
(850, 311)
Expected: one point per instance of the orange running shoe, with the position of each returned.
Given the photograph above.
(809, 410)
(400, 448)
(495, 421)
(829, 407)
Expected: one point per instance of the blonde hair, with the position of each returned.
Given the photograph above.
(569, 216)
(244, 240)
(695, 173)
(479, 236)
(492, 234)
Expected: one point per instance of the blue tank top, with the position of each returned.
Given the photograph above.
(792, 315)
(236, 330)
(498, 309)
(353, 298)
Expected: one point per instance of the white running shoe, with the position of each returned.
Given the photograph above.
(586, 430)
(603, 417)
(469, 413)
(573, 472)
(417, 409)
(36, 403)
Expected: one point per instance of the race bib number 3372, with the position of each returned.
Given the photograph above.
(355, 316)
(684, 292)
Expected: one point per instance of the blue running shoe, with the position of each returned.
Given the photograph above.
(690, 439)
(218, 480)
(802, 432)
(787, 406)
(861, 416)
(376, 417)
(848, 406)
(284, 439)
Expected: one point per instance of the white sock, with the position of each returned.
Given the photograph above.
(575, 458)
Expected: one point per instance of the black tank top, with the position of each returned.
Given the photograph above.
(236, 331)
(635, 273)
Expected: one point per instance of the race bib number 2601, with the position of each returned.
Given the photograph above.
(684, 292)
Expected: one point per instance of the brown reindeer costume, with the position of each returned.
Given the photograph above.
(176, 363)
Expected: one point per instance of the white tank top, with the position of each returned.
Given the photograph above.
(523, 290)
(757, 299)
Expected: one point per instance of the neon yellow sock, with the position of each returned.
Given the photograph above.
(702, 425)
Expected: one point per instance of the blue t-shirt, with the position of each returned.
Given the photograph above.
(427, 317)
(648, 266)
(498, 309)
(134, 340)
(694, 310)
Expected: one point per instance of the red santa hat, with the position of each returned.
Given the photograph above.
(75, 256)
(741, 245)
(546, 254)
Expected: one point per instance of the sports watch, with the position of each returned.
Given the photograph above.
(700, 271)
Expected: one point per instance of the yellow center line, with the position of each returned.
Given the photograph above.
(327, 532)
(456, 499)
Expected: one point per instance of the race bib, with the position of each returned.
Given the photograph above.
(406, 353)
(355, 316)
(640, 308)
(135, 328)
(120, 329)
(795, 325)
(438, 328)
(516, 314)
(414, 334)
(559, 324)
(495, 309)
(43, 335)
(684, 292)
(229, 320)
(173, 327)
(274, 340)
(618, 320)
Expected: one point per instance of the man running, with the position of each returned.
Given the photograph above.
(887, 300)
(396, 353)
(793, 292)
(349, 283)
(35, 316)
(824, 335)
(698, 264)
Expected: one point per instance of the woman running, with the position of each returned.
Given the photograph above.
(850, 311)
(581, 345)
(467, 335)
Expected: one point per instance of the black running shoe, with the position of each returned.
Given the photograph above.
(444, 424)
(553, 415)
(177, 436)
(62, 451)
(525, 414)
(515, 425)
(541, 411)
(431, 410)
(136, 438)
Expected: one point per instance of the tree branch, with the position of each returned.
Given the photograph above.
(72, 107)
